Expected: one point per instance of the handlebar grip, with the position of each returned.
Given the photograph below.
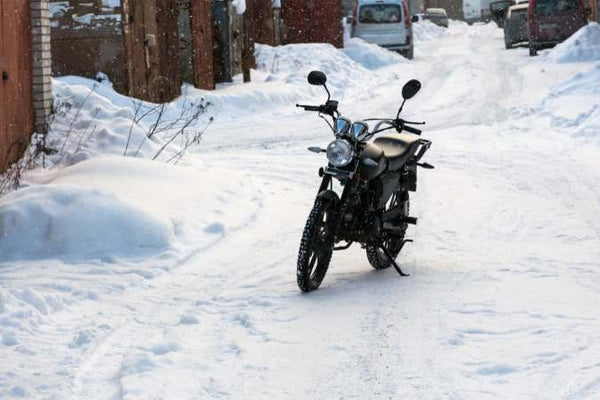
(309, 108)
(412, 130)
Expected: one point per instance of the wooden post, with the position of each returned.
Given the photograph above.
(248, 60)
(202, 39)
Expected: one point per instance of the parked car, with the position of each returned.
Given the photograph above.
(386, 23)
(515, 25)
(552, 21)
(499, 11)
(437, 15)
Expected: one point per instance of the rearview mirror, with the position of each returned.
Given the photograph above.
(411, 88)
(415, 18)
(317, 78)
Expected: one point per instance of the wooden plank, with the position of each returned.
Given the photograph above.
(166, 78)
(297, 24)
(202, 33)
(326, 20)
(135, 58)
(264, 22)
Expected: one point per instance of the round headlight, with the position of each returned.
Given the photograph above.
(359, 131)
(342, 125)
(340, 153)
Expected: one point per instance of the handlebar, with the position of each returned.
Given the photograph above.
(329, 108)
(398, 124)
(309, 108)
(412, 130)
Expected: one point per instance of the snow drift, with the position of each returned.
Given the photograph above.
(370, 55)
(75, 224)
(583, 45)
(425, 31)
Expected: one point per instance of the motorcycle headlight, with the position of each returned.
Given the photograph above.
(340, 153)
(342, 125)
(359, 130)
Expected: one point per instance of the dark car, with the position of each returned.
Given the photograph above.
(515, 25)
(437, 15)
(552, 21)
(499, 11)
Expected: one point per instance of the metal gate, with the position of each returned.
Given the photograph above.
(16, 101)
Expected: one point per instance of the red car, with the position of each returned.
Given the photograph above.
(552, 21)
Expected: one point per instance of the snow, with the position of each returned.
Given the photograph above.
(239, 5)
(583, 45)
(202, 303)
(425, 31)
(371, 56)
(54, 222)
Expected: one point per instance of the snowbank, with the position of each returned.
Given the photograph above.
(586, 82)
(91, 119)
(370, 55)
(583, 45)
(75, 224)
(292, 63)
(424, 31)
(121, 207)
(575, 104)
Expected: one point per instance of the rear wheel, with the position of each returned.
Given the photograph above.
(393, 243)
(316, 246)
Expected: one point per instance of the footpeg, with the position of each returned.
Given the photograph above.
(410, 220)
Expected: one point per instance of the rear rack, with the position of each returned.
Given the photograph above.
(424, 145)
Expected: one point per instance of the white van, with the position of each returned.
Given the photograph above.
(477, 10)
(386, 23)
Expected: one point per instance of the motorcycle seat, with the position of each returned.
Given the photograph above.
(398, 148)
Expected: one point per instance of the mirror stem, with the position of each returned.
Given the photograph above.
(400, 110)
(328, 94)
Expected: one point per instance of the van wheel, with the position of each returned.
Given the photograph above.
(410, 53)
(533, 51)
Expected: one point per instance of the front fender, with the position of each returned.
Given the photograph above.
(329, 196)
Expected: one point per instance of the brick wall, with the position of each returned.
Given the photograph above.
(42, 63)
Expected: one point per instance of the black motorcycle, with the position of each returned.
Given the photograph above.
(374, 177)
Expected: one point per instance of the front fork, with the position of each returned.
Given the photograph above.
(326, 193)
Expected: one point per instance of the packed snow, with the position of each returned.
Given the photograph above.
(584, 45)
(127, 278)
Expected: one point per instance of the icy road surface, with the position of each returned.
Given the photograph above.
(504, 293)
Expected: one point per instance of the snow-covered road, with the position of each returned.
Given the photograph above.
(502, 302)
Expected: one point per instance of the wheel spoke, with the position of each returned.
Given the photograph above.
(313, 260)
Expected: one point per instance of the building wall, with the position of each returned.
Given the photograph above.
(85, 47)
(42, 63)
(16, 80)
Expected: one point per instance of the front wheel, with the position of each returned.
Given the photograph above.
(316, 246)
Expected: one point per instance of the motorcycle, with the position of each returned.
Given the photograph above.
(375, 178)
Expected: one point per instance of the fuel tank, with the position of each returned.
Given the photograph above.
(375, 153)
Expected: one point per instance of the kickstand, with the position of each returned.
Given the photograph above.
(389, 256)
